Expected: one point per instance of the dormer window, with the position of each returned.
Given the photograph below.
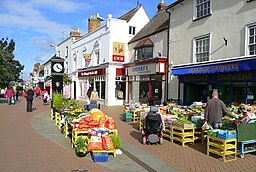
(144, 49)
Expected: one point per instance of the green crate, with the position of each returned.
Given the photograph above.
(246, 132)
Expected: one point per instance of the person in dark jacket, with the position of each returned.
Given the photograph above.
(30, 96)
(214, 111)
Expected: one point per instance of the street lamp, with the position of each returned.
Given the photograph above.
(55, 46)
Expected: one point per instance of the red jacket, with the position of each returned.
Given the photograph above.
(9, 93)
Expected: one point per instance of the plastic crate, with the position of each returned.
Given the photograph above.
(227, 134)
(127, 116)
(100, 156)
(212, 133)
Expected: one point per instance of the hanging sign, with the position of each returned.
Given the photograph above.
(118, 52)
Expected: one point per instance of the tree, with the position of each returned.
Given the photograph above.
(66, 80)
(10, 68)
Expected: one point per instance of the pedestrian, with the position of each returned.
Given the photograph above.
(9, 93)
(37, 91)
(214, 111)
(45, 96)
(94, 95)
(89, 91)
(30, 96)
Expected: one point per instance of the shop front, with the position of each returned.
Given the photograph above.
(234, 79)
(146, 81)
(109, 81)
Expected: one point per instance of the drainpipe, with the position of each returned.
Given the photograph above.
(167, 65)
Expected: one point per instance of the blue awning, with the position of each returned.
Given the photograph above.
(227, 65)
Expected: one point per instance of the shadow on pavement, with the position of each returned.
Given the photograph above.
(136, 135)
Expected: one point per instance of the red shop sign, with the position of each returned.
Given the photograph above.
(91, 73)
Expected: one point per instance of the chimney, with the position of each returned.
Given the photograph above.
(75, 33)
(94, 22)
(161, 6)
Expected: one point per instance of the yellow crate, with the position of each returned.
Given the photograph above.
(221, 147)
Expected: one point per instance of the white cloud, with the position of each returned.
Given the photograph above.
(42, 58)
(62, 5)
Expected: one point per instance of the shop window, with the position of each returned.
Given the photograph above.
(131, 30)
(251, 93)
(100, 87)
(202, 49)
(202, 8)
(252, 39)
(144, 53)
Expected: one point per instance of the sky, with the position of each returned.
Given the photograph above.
(35, 24)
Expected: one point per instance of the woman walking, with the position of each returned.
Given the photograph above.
(9, 93)
(30, 96)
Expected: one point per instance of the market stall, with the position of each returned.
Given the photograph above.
(92, 132)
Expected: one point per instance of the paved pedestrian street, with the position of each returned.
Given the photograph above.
(30, 141)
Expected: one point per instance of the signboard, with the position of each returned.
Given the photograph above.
(118, 52)
(94, 72)
(87, 57)
(142, 70)
(242, 65)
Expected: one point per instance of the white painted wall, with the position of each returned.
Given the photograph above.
(114, 30)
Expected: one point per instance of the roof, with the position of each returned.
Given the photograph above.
(157, 24)
(127, 16)
(175, 3)
(145, 42)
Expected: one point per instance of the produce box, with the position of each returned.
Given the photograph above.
(100, 156)
(226, 134)
(212, 133)
(246, 132)
(184, 126)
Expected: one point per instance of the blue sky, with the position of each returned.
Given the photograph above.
(35, 24)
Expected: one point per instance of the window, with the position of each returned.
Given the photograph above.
(97, 57)
(252, 40)
(66, 54)
(202, 8)
(202, 49)
(144, 53)
(131, 30)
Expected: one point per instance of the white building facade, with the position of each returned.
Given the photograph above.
(98, 57)
(213, 48)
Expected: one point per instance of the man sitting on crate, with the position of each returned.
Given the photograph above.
(214, 111)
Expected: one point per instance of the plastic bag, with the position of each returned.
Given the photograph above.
(110, 123)
(25, 94)
(107, 143)
(206, 126)
(95, 143)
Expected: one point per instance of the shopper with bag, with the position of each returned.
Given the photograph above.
(9, 93)
(214, 111)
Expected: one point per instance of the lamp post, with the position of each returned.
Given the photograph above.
(55, 46)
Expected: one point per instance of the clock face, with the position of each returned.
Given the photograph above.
(57, 67)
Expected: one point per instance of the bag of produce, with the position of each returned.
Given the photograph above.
(95, 143)
(107, 143)
(206, 126)
(110, 123)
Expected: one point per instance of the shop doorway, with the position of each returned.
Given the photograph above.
(144, 92)
(196, 93)
(156, 92)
